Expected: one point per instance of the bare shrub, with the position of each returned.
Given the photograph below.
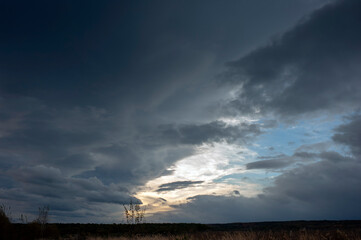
(134, 213)
(42, 219)
(23, 219)
(43, 215)
(5, 213)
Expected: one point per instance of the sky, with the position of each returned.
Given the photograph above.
(201, 111)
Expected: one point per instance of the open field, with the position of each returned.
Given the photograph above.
(249, 235)
(298, 230)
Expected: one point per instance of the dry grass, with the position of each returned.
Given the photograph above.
(251, 235)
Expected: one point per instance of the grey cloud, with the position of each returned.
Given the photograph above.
(133, 165)
(334, 156)
(45, 136)
(305, 155)
(45, 148)
(79, 141)
(69, 198)
(271, 157)
(49, 182)
(62, 209)
(75, 163)
(315, 147)
(326, 184)
(350, 134)
(115, 164)
(177, 185)
(281, 161)
(270, 164)
(315, 66)
(210, 132)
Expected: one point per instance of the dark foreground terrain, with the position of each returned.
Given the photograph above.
(260, 230)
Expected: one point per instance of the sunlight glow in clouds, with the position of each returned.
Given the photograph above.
(211, 162)
(218, 168)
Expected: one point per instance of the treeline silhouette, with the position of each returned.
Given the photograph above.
(40, 228)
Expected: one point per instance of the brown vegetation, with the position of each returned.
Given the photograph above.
(252, 235)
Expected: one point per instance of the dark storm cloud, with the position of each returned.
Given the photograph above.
(49, 182)
(177, 185)
(42, 135)
(136, 52)
(314, 66)
(116, 164)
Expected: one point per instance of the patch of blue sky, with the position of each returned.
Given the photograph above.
(283, 139)
(286, 138)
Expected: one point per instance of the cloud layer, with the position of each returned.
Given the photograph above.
(97, 100)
